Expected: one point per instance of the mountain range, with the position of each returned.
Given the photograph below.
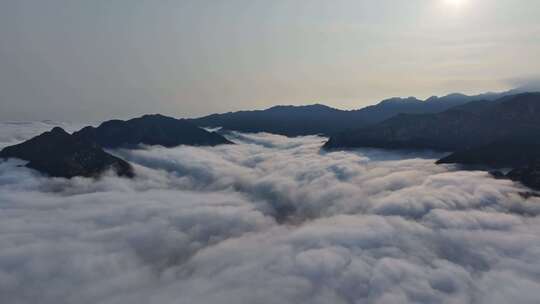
(480, 132)
(503, 133)
(324, 120)
(494, 129)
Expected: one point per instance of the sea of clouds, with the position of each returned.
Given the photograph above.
(268, 220)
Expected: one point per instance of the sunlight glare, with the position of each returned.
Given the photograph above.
(455, 3)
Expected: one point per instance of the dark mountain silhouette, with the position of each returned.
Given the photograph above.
(285, 120)
(150, 130)
(518, 116)
(504, 132)
(391, 107)
(500, 133)
(528, 175)
(445, 131)
(513, 151)
(320, 119)
(59, 154)
(394, 106)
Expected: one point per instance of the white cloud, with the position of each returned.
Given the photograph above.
(269, 220)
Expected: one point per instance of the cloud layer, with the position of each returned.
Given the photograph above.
(269, 220)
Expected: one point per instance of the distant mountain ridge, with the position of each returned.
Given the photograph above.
(283, 120)
(324, 120)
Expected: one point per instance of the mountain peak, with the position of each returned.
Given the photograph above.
(152, 129)
(58, 130)
(316, 106)
(400, 100)
(57, 153)
(155, 116)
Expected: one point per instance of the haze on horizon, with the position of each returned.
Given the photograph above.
(94, 60)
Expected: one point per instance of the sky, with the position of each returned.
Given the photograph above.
(83, 61)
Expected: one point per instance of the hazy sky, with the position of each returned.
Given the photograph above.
(84, 60)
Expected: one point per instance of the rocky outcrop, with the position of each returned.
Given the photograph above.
(59, 154)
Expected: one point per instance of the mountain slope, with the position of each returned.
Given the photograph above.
(320, 119)
(284, 120)
(391, 107)
(528, 175)
(519, 115)
(513, 151)
(59, 154)
(503, 132)
(150, 130)
(445, 131)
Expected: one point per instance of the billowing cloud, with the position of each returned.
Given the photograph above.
(269, 220)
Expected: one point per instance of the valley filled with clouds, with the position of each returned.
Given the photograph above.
(270, 219)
